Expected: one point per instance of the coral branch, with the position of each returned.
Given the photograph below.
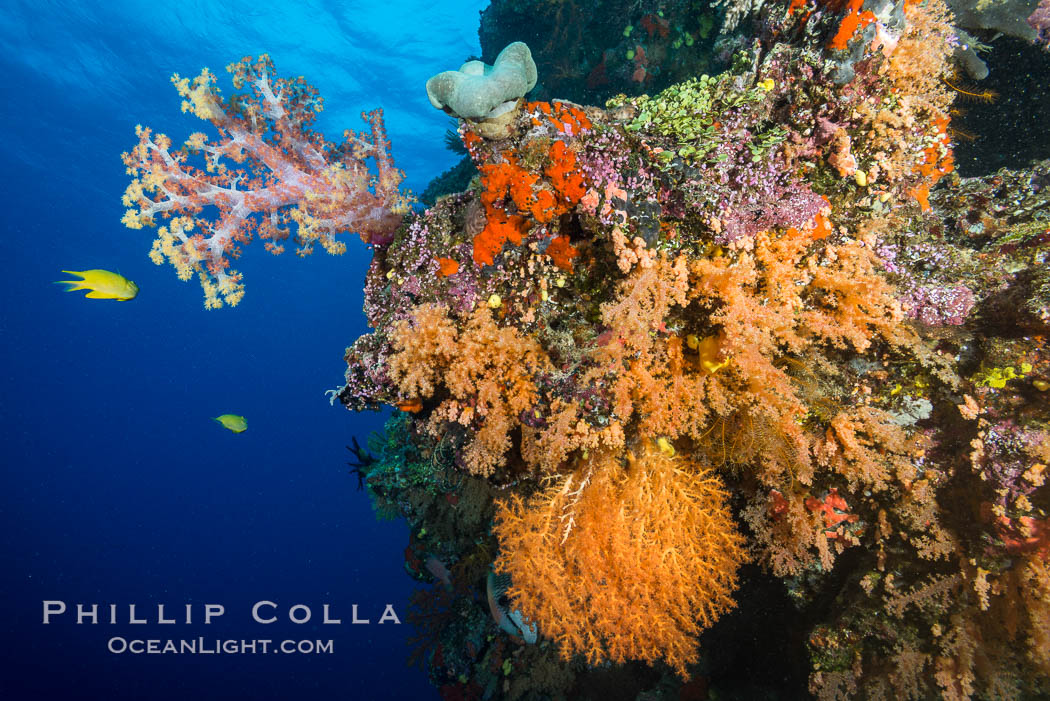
(268, 174)
(625, 564)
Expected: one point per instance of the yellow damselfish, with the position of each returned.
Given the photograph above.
(235, 423)
(102, 283)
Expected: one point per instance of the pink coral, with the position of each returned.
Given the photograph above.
(268, 173)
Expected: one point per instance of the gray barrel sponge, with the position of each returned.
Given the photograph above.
(477, 90)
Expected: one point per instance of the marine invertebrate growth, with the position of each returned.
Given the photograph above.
(487, 370)
(476, 89)
(620, 563)
(763, 289)
(268, 175)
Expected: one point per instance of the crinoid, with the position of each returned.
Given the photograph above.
(969, 93)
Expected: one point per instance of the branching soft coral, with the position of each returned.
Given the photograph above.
(267, 174)
(784, 300)
(485, 374)
(1036, 576)
(623, 563)
(639, 359)
(738, 396)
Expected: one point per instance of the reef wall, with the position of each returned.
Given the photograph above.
(750, 331)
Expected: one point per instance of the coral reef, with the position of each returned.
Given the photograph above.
(747, 332)
(753, 317)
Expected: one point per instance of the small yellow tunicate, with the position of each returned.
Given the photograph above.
(665, 447)
(767, 84)
(560, 282)
(390, 275)
(495, 302)
(692, 341)
(544, 296)
(861, 177)
(709, 351)
(1041, 385)
(884, 197)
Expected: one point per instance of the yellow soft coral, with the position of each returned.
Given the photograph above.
(199, 96)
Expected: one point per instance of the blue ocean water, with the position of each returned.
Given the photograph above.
(116, 486)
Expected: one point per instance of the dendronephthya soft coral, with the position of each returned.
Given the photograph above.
(268, 175)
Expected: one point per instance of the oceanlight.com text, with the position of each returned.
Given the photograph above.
(216, 646)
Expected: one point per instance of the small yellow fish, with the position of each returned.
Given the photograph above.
(102, 283)
(235, 423)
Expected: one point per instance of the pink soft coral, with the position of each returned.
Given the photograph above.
(268, 173)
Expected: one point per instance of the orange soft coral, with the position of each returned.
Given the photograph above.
(485, 372)
(620, 563)
(937, 161)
